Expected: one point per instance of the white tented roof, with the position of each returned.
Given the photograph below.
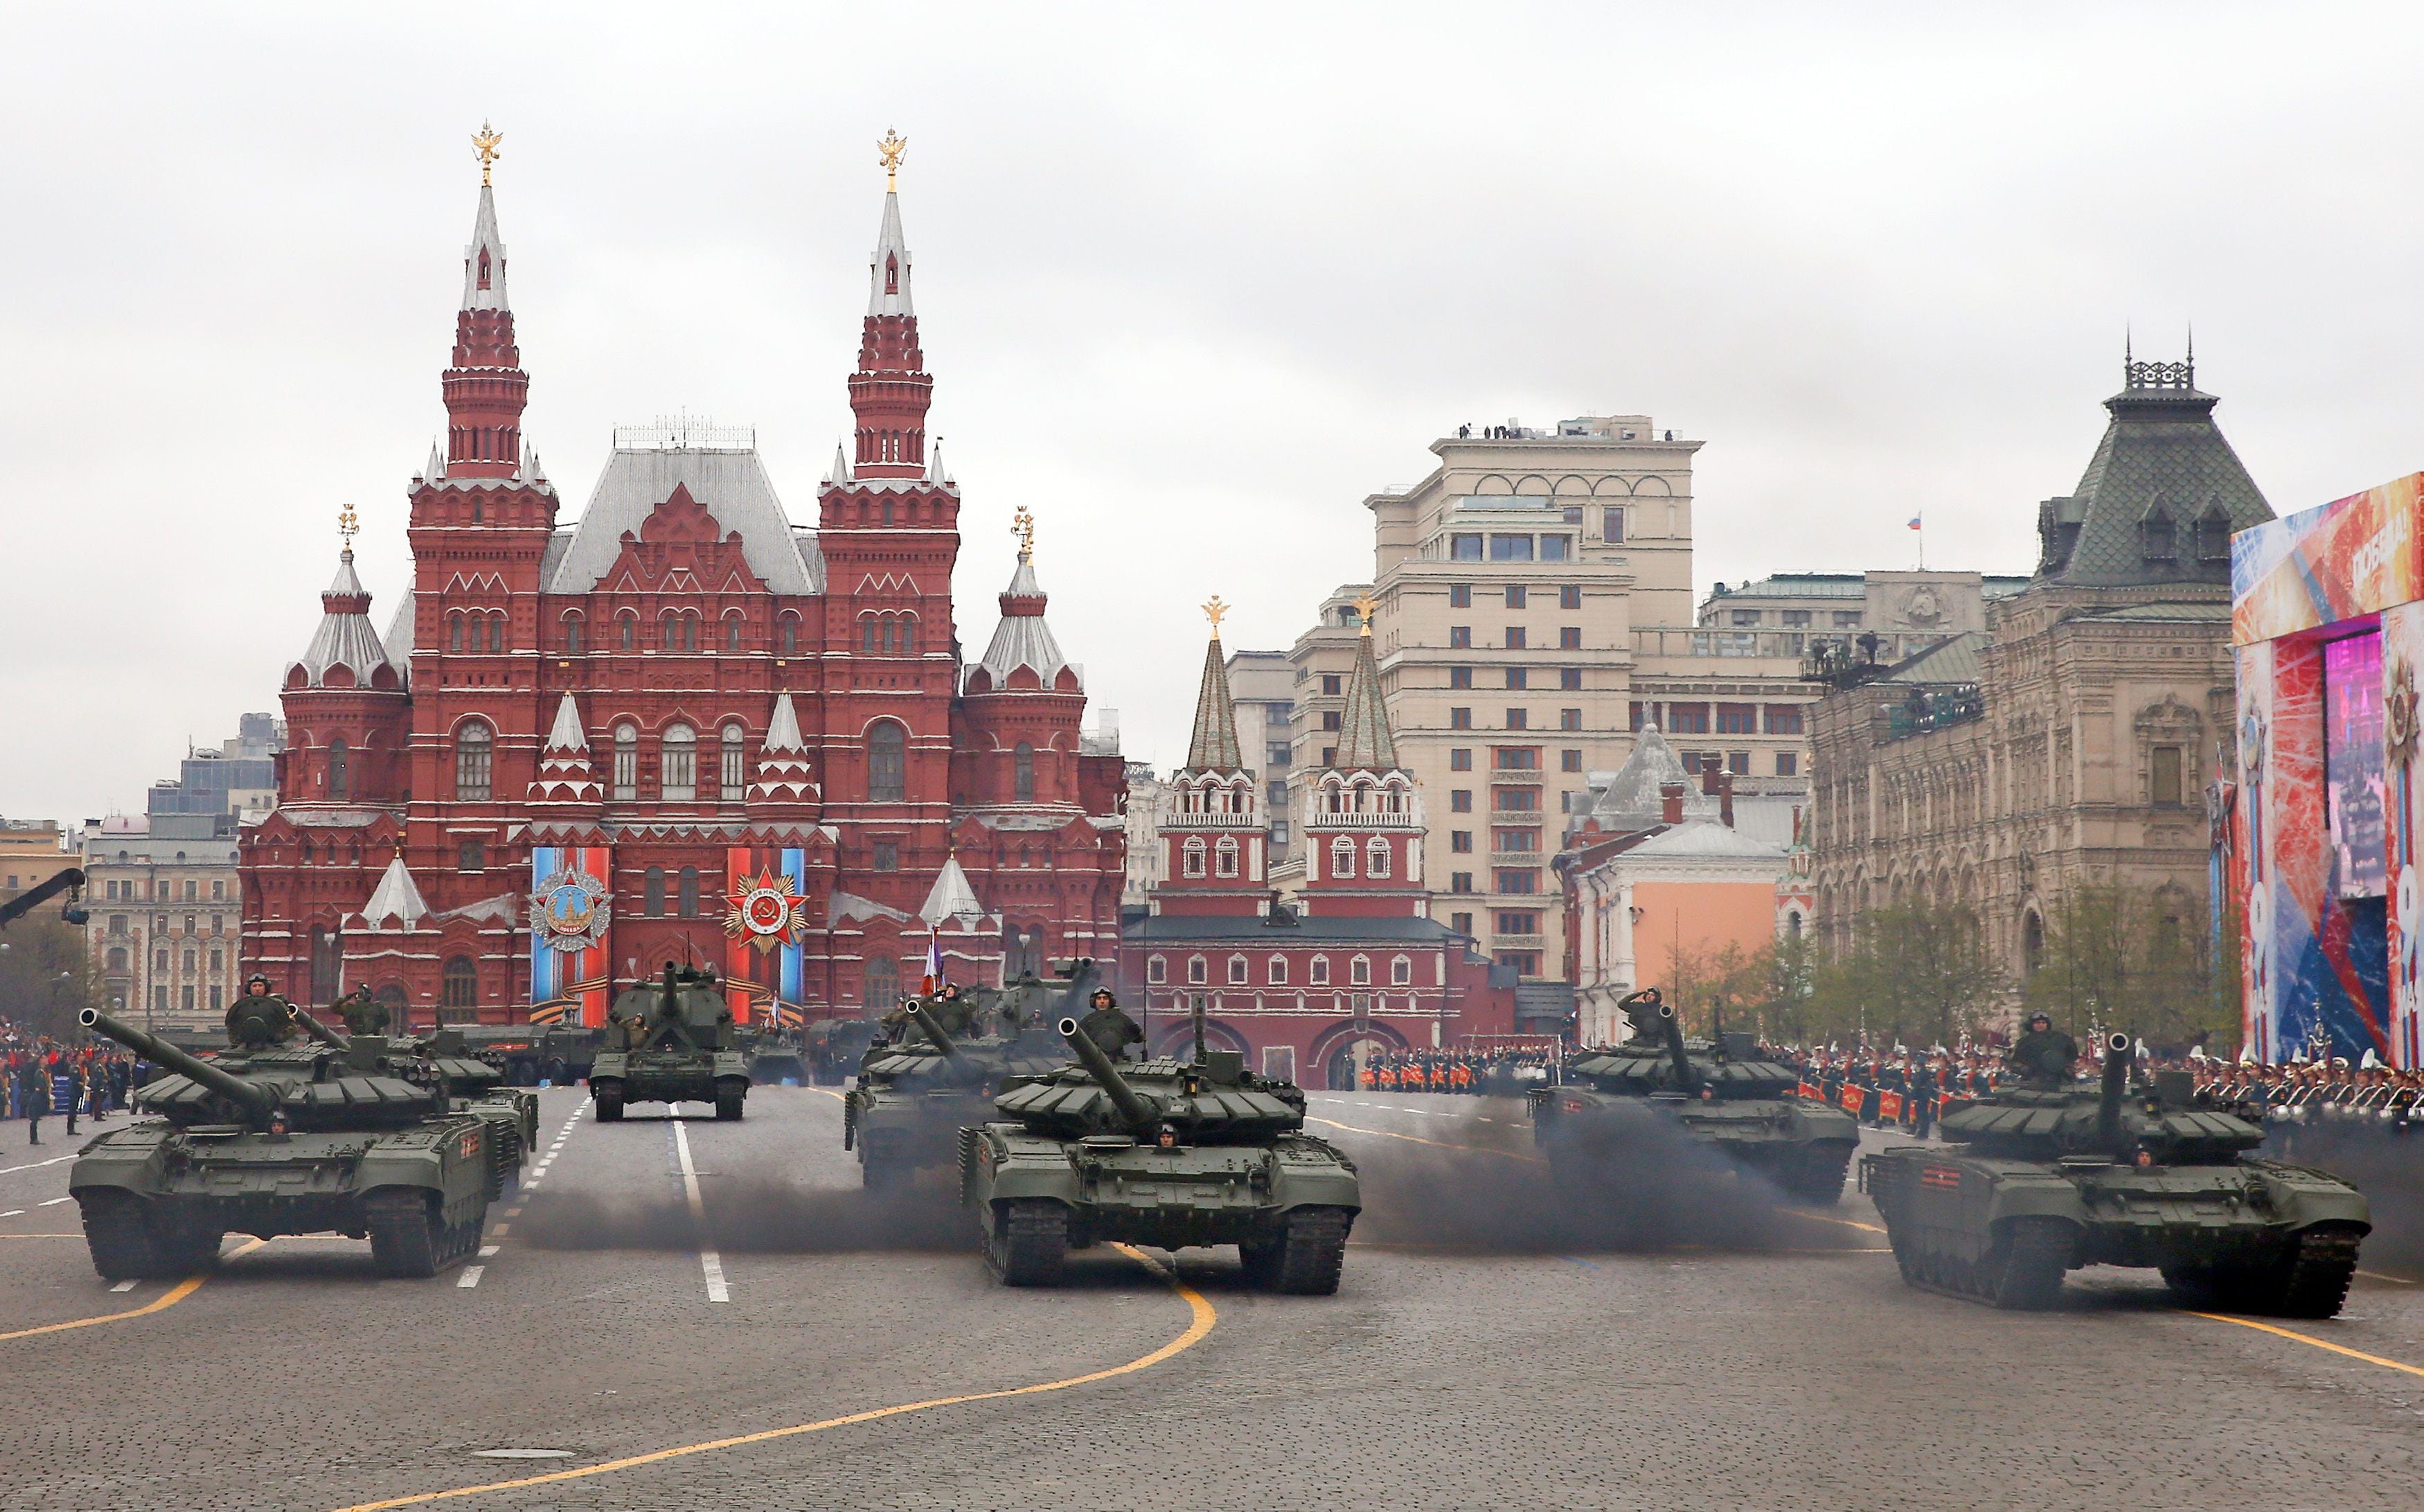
(1023, 640)
(396, 897)
(731, 484)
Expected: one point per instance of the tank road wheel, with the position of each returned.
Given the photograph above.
(407, 1238)
(2313, 1280)
(118, 1238)
(1815, 1175)
(2023, 1269)
(1028, 1242)
(610, 1102)
(1311, 1252)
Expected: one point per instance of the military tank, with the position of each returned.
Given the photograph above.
(834, 1047)
(913, 1097)
(670, 1040)
(2049, 1176)
(1174, 1153)
(401, 1141)
(1718, 1093)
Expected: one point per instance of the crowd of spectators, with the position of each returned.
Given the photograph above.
(1475, 1072)
(41, 1078)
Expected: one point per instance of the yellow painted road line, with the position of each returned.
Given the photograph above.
(1199, 1321)
(1821, 1218)
(2395, 1280)
(167, 1299)
(1437, 1144)
(40, 1235)
(838, 1097)
(2308, 1338)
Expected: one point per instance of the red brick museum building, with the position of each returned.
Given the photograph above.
(679, 727)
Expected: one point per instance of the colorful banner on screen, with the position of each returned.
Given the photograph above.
(2341, 561)
(766, 929)
(571, 916)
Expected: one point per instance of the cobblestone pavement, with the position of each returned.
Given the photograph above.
(1734, 1358)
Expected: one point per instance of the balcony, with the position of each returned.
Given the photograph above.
(1762, 645)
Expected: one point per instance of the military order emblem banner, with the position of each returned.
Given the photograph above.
(571, 916)
(766, 924)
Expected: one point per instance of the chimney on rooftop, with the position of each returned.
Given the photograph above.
(1671, 795)
(1709, 771)
(1725, 799)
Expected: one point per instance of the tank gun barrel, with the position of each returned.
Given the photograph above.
(1133, 1110)
(256, 1100)
(2118, 1060)
(1649, 1013)
(309, 1025)
(924, 1019)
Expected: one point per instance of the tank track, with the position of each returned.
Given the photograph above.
(1028, 1244)
(1814, 1174)
(2316, 1276)
(128, 1243)
(2021, 1271)
(1307, 1259)
(410, 1240)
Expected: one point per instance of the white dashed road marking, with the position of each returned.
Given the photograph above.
(13, 1213)
(123, 1286)
(487, 1249)
(471, 1275)
(709, 1262)
(54, 1201)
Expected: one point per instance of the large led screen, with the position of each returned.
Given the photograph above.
(2352, 764)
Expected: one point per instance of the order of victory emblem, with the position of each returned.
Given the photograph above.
(768, 911)
(568, 911)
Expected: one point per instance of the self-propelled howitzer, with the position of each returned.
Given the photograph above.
(396, 1140)
(1615, 1105)
(671, 1042)
(1166, 1153)
(2046, 1176)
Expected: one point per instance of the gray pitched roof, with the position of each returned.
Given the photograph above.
(2160, 451)
(1022, 638)
(1365, 741)
(1213, 747)
(1633, 799)
(1955, 658)
(732, 485)
(345, 637)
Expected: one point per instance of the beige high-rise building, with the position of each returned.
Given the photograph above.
(1262, 685)
(1532, 607)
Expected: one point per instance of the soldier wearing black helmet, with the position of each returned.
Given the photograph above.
(2044, 1055)
(1110, 1029)
(260, 1017)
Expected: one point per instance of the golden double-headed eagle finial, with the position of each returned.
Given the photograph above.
(1365, 607)
(1023, 526)
(347, 526)
(1214, 610)
(486, 144)
(888, 152)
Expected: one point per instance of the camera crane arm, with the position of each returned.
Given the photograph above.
(69, 882)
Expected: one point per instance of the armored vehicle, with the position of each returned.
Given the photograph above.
(775, 1056)
(914, 1097)
(1167, 1152)
(833, 1047)
(406, 1143)
(2055, 1173)
(1615, 1104)
(670, 1042)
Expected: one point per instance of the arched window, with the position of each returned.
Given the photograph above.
(733, 767)
(688, 902)
(626, 762)
(867, 632)
(882, 983)
(574, 622)
(1022, 765)
(1278, 971)
(496, 633)
(1224, 857)
(887, 775)
(908, 635)
(1191, 857)
(1156, 969)
(459, 984)
(1342, 857)
(652, 892)
(1237, 971)
(1319, 974)
(1401, 971)
(787, 633)
(732, 632)
(1359, 972)
(1199, 970)
(118, 958)
(340, 779)
(1375, 857)
(626, 630)
(454, 632)
(678, 770)
(473, 749)
(327, 963)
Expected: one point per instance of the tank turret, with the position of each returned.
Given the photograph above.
(256, 1100)
(1138, 1114)
(924, 1019)
(312, 1026)
(1215, 1099)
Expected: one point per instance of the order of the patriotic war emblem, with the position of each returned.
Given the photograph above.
(568, 911)
(767, 911)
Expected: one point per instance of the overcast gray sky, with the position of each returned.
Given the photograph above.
(1192, 281)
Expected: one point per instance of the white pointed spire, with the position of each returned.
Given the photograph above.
(783, 731)
(484, 261)
(936, 471)
(887, 271)
(839, 472)
(567, 735)
(435, 468)
(396, 897)
(951, 896)
(535, 471)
